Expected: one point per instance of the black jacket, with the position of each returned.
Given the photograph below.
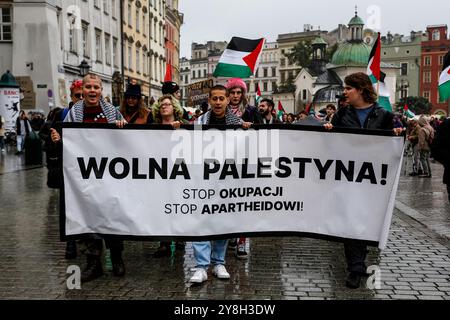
(379, 118)
(252, 114)
(440, 149)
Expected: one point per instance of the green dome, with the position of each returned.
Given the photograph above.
(356, 21)
(8, 81)
(319, 40)
(351, 53)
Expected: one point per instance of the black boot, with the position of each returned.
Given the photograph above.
(117, 263)
(353, 280)
(163, 250)
(71, 249)
(93, 269)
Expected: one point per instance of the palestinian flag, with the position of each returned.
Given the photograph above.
(280, 111)
(408, 113)
(374, 66)
(444, 80)
(257, 95)
(383, 93)
(377, 76)
(240, 59)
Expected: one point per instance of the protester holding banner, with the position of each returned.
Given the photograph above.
(93, 109)
(132, 107)
(239, 103)
(54, 153)
(362, 112)
(207, 252)
(167, 110)
(239, 106)
(172, 88)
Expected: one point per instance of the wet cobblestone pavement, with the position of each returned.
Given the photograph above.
(415, 264)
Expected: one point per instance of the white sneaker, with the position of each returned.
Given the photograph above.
(220, 272)
(199, 276)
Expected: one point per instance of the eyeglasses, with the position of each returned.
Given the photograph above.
(78, 95)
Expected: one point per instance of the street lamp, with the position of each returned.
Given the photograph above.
(84, 68)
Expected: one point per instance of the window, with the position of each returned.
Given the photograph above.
(72, 35)
(282, 62)
(145, 64)
(85, 38)
(150, 66)
(106, 6)
(441, 60)
(274, 71)
(154, 28)
(304, 94)
(427, 61)
(265, 74)
(274, 85)
(283, 77)
(138, 21)
(426, 95)
(436, 35)
(404, 69)
(265, 86)
(113, 8)
(130, 57)
(115, 55)
(98, 46)
(144, 25)
(129, 14)
(108, 49)
(257, 73)
(5, 24)
(138, 60)
(427, 77)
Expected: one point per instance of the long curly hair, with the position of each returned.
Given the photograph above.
(177, 109)
(361, 81)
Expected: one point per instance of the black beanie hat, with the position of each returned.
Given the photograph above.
(170, 87)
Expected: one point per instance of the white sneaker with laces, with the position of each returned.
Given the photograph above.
(220, 272)
(199, 276)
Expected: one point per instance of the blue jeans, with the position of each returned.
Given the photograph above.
(20, 142)
(207, 252)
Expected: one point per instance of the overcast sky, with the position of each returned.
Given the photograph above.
(219, 20)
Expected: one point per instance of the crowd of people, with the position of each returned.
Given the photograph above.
(227, 105)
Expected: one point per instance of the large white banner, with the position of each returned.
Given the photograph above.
(198, 183)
